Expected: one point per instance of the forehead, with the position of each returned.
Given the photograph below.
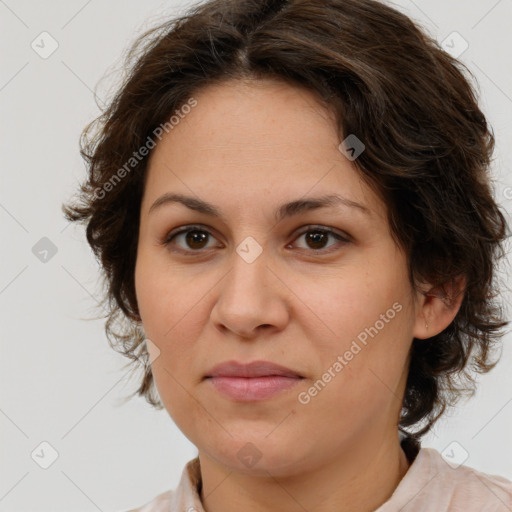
(259, 137)
(260, 117)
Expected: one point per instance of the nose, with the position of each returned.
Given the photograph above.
(252, 298)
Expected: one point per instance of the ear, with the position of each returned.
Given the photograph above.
(437, 307)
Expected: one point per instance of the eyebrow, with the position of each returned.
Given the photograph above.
(286, 210)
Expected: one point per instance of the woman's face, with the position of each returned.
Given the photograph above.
(260, 282)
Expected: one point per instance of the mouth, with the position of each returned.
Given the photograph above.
(251, 370)
(258, 380)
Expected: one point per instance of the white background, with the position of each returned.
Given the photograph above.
(60, 381)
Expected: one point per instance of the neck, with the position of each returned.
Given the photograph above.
(360, 480)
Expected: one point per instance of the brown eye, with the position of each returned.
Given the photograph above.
(196, 239)
(316, 239)
(191, 239)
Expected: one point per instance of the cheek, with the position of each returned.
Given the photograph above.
(348, 304)
(162, 301)
(177, 397)
(167, 322)
(359, 383)
(368, 322)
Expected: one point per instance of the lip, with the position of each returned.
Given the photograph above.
(258, 380)
(252, 369)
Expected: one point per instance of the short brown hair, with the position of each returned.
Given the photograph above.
(427, 153)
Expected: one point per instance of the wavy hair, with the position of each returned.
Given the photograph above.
(428, 154)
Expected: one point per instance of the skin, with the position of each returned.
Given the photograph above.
(248, 147)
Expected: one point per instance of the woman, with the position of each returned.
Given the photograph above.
(291, 204)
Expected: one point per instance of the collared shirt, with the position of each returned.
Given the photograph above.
(431, 484)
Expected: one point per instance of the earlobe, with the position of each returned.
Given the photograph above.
(438, 307)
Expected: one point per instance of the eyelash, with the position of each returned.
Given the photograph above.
(315, 229)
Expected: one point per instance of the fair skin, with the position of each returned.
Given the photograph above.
(248, 148)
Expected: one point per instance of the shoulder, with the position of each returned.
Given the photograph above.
(453, 487)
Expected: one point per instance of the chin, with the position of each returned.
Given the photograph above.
(258, 455)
